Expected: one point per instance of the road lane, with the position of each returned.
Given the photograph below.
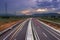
(53, 32)
(47, 35)
(39, 31)
(2, 36)
(44, 34)
(19, 32)
(22, 34)
(50, 28)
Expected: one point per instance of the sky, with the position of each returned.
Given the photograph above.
(17, 5)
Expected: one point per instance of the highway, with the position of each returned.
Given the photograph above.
(18, 31)
(2, 36)
(43, 32)
(31, 29)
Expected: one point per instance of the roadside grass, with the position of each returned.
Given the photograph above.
(52, 19)
(52, 24)
(4, 20)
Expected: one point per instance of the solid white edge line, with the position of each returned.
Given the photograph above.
(48, 31)
(35, 33)
(49, 26)
(13, 31)
(7, 29)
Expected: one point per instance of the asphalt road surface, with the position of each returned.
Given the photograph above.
(16, 33)
(19, 33)
(44, 32)
(2, 36)
(37, 29)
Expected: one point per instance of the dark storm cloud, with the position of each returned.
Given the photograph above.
(17, 5)
(13, 5)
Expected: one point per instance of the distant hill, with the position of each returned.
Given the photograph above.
(47, 14)
(34, 15)
(3, 14)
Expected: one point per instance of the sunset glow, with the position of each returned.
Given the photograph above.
(26, 12)
(41, 10)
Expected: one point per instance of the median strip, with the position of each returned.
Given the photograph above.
(29, 34)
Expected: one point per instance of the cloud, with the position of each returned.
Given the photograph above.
(13, 5)
(17, 5)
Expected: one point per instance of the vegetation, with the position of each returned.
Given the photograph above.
(4, 19)
(51, 19)
(7, 22)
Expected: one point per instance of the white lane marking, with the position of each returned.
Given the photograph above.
(17, 31)
(13, 31)
(44, 34)
(53, 35)
(29, 34)
(7, 29)
(49, 31)
(35, 33)
(9, 34)
(51, 28)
